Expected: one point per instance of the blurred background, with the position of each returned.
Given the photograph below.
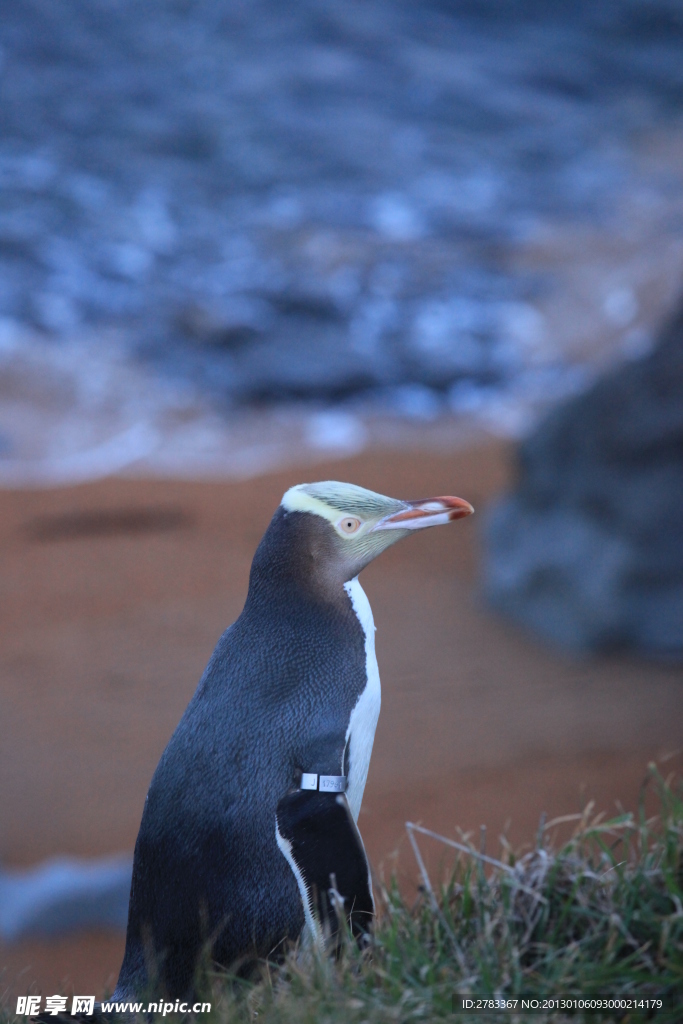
(429, 248)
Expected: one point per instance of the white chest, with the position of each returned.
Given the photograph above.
(360, 733)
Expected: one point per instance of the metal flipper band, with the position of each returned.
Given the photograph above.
(324, 783)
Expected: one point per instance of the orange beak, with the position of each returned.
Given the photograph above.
(426, 512)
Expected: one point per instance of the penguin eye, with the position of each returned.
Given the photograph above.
(349, 524)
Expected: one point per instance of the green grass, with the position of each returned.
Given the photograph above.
(599, 915)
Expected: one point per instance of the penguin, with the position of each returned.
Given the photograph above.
(249, 835)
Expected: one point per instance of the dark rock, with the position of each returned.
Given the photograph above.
(62, 895)
(309, 306)
(302, 363)
(230, 323)
(588, 550)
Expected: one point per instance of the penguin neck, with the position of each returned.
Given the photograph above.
(298, 556)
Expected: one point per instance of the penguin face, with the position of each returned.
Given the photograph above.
(363, 523)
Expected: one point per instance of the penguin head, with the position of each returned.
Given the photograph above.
(355, 524)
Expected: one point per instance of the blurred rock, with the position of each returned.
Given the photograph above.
(64, 894)
(415, 401)
(229, 323)
(448, 340)
(308, 360)
(336, 431)
(395, 218)
(588, 550)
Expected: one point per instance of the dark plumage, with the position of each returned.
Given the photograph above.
(275, 700)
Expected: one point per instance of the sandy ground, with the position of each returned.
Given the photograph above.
(115, 592)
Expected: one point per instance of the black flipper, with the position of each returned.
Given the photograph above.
(318, 834)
